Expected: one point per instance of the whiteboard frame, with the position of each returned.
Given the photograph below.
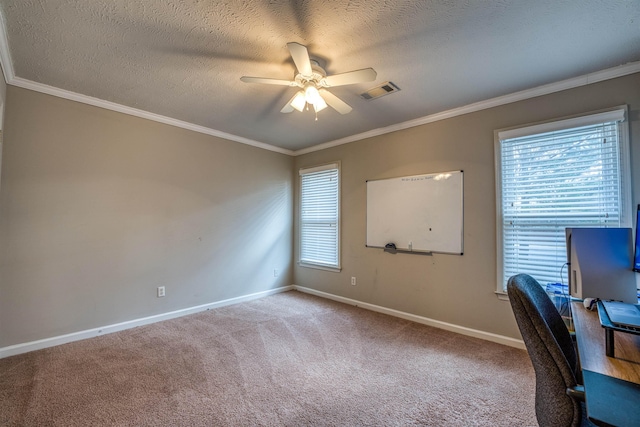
(411, 250)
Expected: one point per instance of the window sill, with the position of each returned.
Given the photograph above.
(502, 296)
(320, 267)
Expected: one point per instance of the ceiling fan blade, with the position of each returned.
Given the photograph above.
(266, 81)
(351, 77)
(336, 103)
(300, 56)
(289, 105)
(287, 108)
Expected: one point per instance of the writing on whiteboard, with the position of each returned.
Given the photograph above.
(422, 178)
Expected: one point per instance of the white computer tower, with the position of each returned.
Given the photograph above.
(600, 264)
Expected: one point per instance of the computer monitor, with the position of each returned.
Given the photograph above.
(599, 260)
(636, 252)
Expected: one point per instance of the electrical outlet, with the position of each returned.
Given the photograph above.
(353, 281)
(275, 272)
(160, 291)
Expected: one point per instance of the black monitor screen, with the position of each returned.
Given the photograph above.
(636, 256)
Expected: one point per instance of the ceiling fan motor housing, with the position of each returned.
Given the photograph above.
(317, 77)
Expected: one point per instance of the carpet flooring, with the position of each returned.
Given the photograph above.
(290, 359)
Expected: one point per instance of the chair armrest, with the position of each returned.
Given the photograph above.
(576, 393)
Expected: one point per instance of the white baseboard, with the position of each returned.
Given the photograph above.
(500, 339)
(13, 350)
(90, 333)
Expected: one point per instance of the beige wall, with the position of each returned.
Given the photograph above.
(98, 209)
(3, 95)
(448, 288)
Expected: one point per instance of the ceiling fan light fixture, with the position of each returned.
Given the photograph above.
(311, 93)
(299, 101)
(320, 104)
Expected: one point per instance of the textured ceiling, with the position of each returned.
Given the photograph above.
(184, 58)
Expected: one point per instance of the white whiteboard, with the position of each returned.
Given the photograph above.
(420, 213)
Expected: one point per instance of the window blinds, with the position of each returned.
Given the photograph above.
(319, 213)
(553, 180)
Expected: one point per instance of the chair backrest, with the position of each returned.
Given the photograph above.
(551, 350)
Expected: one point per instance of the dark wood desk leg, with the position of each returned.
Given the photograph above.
(609, 342)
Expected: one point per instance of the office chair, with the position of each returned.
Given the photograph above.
(552, 353)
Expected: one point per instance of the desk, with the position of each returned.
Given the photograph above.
(612, 385)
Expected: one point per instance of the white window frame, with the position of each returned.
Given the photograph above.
(617, 114)
(309, 262)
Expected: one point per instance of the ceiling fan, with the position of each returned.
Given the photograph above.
(313, 83)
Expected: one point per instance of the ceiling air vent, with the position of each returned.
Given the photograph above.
(378, 91)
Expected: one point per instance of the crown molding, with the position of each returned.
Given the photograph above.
(5, 57)
(11, 79)
(598, 76)
(73, 96)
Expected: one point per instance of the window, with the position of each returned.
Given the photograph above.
(569, 173)
(320, 216)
